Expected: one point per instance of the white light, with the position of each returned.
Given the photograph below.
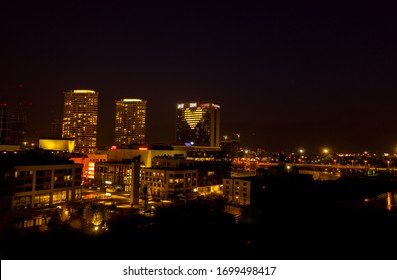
(132, 100)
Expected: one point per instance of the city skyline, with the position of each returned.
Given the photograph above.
(288, 76)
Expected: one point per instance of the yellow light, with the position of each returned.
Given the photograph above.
(83, 91)
(132, 100)
(389, 200)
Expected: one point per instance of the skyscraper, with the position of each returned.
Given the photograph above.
(80, 119)
(5, 121)
(56, 128)
(12, 124)
(18, 125)
(198, 123)
(130, 121)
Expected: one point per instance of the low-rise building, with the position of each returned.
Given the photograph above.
(272, 182)
(35, 179)
(169, 177)
(89, 161)
(238, 190)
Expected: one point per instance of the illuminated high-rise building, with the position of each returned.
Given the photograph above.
(198, 123)
(80, 119)
(130, 123)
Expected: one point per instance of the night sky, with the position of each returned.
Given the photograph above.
(288, 75)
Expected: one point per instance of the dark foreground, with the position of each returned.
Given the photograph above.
(291, 226)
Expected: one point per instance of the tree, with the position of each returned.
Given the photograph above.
(55, 221)
(101, 214)
(95, 214)
(88, 213)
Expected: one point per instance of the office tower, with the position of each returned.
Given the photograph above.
(198, 123)
(5, 120)
(17, 125)
(130, 122)
(12, 124)
(80, 119)
(56, 128)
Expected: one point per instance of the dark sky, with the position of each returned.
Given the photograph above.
(287, 75)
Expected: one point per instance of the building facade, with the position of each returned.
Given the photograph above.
(169, 177)
(80, 119)
(237, 190)
(123, 176)
(198, 123)
(29, 181)
(57, 144)
(130, 122)
(89, 161)
(56, 128)
(212, 167)
(146, 155)
(12, 125)
(5, 122)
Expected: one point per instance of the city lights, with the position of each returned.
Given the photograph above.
(231, 131)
